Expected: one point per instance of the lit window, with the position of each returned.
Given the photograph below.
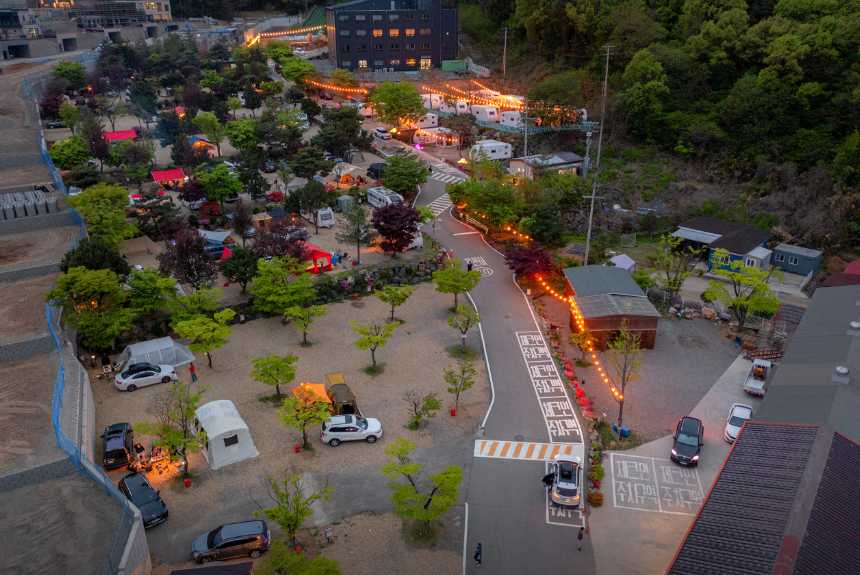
(410, 61)
(394, 32)
(362, 64)
(395, 62)
(410, 32)
(344, 32)
(393, 17)
(426, 62)
(425, 31)
(377, 32)
(360, 17)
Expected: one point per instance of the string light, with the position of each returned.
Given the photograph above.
(336, 88)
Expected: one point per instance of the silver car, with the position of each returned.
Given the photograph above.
(567, 481)
(738, 413)
(342, 428)
(143, 374)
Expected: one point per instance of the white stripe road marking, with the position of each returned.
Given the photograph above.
(466, 234)
(440, 204)
(447, 178)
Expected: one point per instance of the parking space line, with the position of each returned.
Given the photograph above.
(641, 483)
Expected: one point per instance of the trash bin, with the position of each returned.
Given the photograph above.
(625, 432)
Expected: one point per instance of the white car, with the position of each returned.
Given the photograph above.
(382, 133)
(566, 487)
(342, 428)
(143, 374)
(738, 413)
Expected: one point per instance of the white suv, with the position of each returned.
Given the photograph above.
(342, 428)
(382, 133)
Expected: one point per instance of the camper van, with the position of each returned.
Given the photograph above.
(490, 150)
(428, 121)
(485, 113)
(325, 218)
(431, 101)
(379, 197)
(445, 108)
(512, 119)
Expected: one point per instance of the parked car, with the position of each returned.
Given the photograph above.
(54, 124)
(213, 251)
(376, 170)
(145, 498)
(342, 428)
(270, 167)
(566, 487)
(382, 133)
(143, 374)
(118, 442)
(738, 413)
(246, 538)
(688, 441)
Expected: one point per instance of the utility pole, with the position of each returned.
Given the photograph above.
(597, 162)
(505, 55)
(526, 127)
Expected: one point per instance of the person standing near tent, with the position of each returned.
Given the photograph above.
(193, 370)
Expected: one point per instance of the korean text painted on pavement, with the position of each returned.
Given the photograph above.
(651, 484)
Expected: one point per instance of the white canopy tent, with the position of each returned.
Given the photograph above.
(160, 351)
(227, 439)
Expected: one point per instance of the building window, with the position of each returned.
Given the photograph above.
(395, 62)
(377, 17)
(750, 262)
(361, 32)
(425, 31)
(360, 17)
(410, 32)
(425, 45)
(344, 48)
(410, 46)
(393, 17)
(792, 260)
(394, 32)
(361, 48)
(378, 47)
(343, 17)
(779, 257)
(377, 32)
(346, 64)
(362, 64)
(344, 32)
(425, 16)
(394, 46)
(378, 63)
(409, 17)
(426, 62)
(231, 440)
(410, 62)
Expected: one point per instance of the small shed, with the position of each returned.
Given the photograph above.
(796, 259)
(160, 351)
(344, 203)
(624, 262)
(225, 435)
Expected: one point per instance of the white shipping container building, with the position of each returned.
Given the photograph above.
(512, 118)
(432, 101)
(490, 150)
(428, 121)
(485, 113)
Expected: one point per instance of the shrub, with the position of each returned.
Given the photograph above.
(595, 498)
(596, 472)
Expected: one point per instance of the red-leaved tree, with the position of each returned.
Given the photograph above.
(528, 260)
(397, 224)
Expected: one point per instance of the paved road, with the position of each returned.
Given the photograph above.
(508, 511)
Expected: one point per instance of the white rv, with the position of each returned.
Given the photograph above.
(462, 107)
(379, 197)
(432, 101)
(512, 119)
(428, 121)
(490, 150)
(485, 113)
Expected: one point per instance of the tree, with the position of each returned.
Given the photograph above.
(424, 501)
(279, 241)
(149, 291)
(69, 153)
(53, 97)
(452, 278)
(242, 220)
(643, 279)
(355, 230)
(208, 123)
(421, 408)
(234, 104)
(283, 560)
(92, 133)
(206, 334)
(240, 267)
(744, 289)
(582, 340)
(459, 379)
(174, 426)
(528, 260)
(219, 183)
(275, 370)
(72, 72)
(673, 263)
(310, 108)
(302, 409)
(625, 355)
(280, 284)
(186, 306)
(292, 506)
(372, 336)
(343, 77)
(277, 50)
(94, 253)
(309, 199)
(403, 174)
(103, 208)
(93, 303)
(464, 319)
(308, 162)
(643, 94)
(304, 317)
(242, 134)
(395, 296)
(252, 100)
(398, 225)
(70, 115)
(341, 131)
(297, 69)
(396, 103)
(185, 259)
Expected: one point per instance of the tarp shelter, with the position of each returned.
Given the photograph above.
(320, 259)
(226, 436)
(226, 569)
(120, 135)
(315, 390)
(348, 175)
(624, 262)
(172, 176)
(161, 351)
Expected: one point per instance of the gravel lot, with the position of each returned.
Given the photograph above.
(22, 307)
(34, 248)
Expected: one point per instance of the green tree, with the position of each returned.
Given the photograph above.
(206, 334)
(743, 290)
(625, 356)
(396, 103)
(275, 370)
(644, 90)
(421, 408)
(203, 301)
(240, 267)
(846, 164)
(174, 426)
(304, 317)
(453, 279)
(673, 263)
(69, 153)
(72, 72)
(423, 501)
(149, 292)
(403, 174)
(297, 69)
(308, 200)
(282, 560)
(341, 131)
(464, 319)
(95, 254)
(308, 162)
(280, 284)
(372, 336)
(212, 128)
(303, 409)
(219, 183)
(355, 229)
(395, 296)
(343, 77)
(243, 134)
(459, 379)
(292, 504)
(70, 115)
(234, 104)
(582, 340)
(103, 208)
(277, 50)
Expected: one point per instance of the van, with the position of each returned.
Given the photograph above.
(379, 197)
(431, 101)
(462, 107)
(511, 118)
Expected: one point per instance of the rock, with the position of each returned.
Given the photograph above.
(709, 313)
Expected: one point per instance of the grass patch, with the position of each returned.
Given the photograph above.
(374, 370)
(457, 352)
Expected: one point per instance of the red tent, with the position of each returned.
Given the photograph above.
(120, 135)
(319, 258)
(167, 176)
(853, 268)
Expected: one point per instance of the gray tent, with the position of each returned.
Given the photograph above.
(161, 351)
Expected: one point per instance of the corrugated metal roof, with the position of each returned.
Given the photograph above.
(596, 280)
(697, 236)
(797, 250)
(607, 305)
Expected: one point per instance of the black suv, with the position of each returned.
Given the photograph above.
(689, 439)
(247, 538)
(140, 492)
(376, 170)
(118, 445)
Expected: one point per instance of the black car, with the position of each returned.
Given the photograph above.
(270, 167)
(118, 445)
(247, 538)
(376, 170)
(689, 439)
(140, 492)
(54, 124)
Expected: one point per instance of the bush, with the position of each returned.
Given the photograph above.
(596, 472)
(595, 498)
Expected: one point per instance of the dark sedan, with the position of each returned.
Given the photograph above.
(689, 439)
(243, 539)
(140, 492)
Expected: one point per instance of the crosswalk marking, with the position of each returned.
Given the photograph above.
(524, 450)
(440, 204)
(447, 178)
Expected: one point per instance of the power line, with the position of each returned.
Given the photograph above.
(597, 162)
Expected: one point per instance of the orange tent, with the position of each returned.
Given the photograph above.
(311, 392)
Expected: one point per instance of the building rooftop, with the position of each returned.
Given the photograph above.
(606, 305)
(597, 280)
(797, 250)
(733, 237)
(551, 160)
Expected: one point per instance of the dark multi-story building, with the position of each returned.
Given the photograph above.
(396, 35)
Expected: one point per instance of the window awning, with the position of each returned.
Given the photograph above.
(164, 176)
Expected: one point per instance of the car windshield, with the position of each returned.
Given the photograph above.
(362, 423)
(690, 440)
(115, 454)
(567, 471)
(736, 421)
(214, 539)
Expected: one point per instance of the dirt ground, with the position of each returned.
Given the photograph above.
(22, 307)
(19, 149)
(39, 247)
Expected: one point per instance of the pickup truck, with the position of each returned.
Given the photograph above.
(756, 381)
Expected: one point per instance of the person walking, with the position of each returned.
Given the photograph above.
(579, 538)
(478, 555)
(469, 266)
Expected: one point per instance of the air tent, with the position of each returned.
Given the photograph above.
(161, 351)
(224, 433)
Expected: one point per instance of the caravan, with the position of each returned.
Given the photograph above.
(490, 150)
(512, 119)
(485, 113)
(379, 197)
(428, 121)
(432, 101)
(462, 107)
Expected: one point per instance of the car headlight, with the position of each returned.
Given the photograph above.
(695, 458)
(674, 452)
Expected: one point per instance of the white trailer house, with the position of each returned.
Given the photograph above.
(485, 113)
(490, 150)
